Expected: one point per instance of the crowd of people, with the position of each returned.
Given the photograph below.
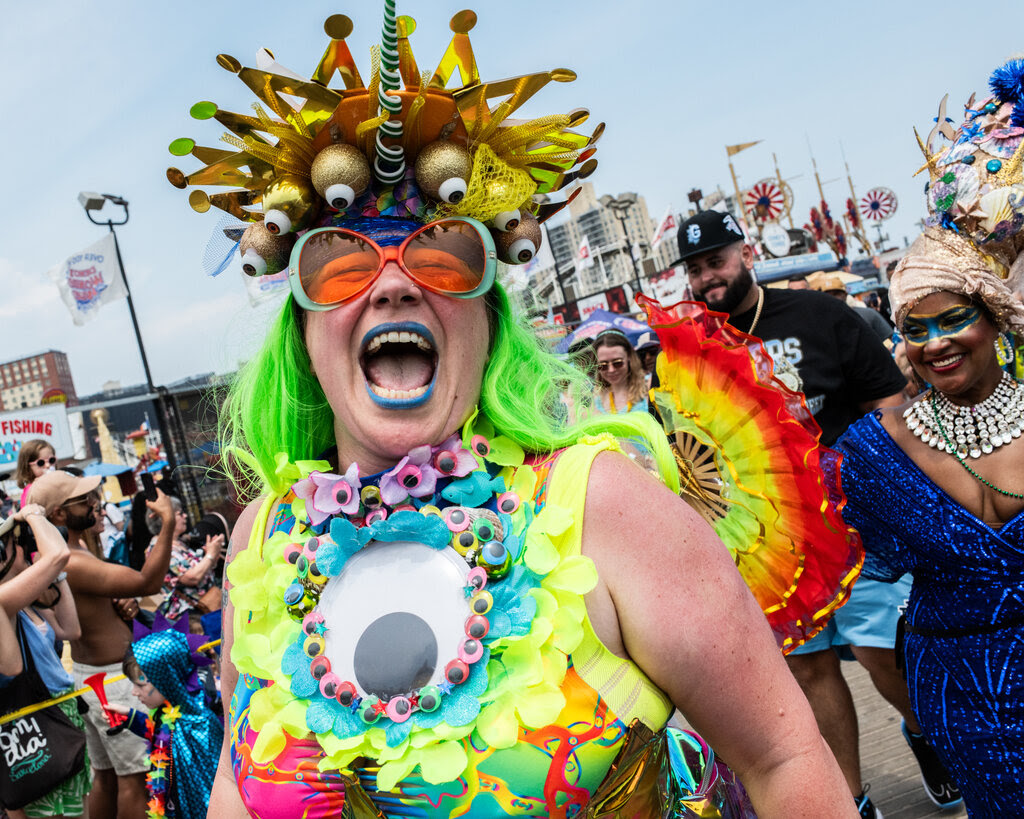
(477, 578)
(72, 611)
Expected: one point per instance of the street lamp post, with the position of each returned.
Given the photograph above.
(620, 206)
(94, 202)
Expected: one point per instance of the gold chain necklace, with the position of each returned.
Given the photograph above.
(757, 313)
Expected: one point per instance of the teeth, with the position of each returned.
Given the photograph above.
(400, 395)
(399, 338)
(945, 362)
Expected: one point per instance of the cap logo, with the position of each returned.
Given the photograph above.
(693, 234)
(730, 224)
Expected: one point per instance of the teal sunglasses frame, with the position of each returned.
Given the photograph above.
(306, 303)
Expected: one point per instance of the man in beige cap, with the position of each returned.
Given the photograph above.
(119, 762)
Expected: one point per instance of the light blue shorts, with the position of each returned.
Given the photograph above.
(868, 619)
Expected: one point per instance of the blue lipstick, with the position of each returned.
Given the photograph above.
(390, 402)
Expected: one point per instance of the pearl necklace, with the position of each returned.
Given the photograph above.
(969, 431)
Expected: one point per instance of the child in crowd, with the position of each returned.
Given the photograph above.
(184, 735)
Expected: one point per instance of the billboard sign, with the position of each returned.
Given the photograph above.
(49, 422)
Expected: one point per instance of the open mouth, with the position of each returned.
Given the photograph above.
(950, 362)
(399, 363)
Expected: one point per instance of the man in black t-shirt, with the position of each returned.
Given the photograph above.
(824, 350)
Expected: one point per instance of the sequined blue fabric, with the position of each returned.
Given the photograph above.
(967, 690)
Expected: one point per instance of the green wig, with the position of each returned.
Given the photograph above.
(276, 405)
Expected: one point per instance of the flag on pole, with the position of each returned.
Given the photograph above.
(666, 229)
(90, 279)
(583, 257)
(732, 150)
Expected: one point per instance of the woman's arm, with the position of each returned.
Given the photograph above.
(97, 577)
(63, 617)
(670, 598)
(225, 801)
(10, 651)
(196, 574)
(24, 589)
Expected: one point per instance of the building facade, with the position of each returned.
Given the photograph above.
(618, 231)
(26, 382)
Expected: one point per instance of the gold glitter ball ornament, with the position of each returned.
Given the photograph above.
(443, 170)
(519, 245)
(340, 173)
(289, 204)
(264, 253)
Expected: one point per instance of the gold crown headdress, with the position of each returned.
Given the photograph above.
(314, 155)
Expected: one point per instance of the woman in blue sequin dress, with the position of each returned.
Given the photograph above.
(936, 489)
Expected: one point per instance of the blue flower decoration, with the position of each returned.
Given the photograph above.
(408, 525)
(332, 557)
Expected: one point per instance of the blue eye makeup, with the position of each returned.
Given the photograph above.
(919, 330)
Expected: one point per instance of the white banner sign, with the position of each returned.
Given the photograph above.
(666, 229)
(583, 257)
(49, 422)
(90, 279)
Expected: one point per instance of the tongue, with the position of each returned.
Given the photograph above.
(405, 370)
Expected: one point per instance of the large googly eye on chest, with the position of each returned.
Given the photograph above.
(397, 619)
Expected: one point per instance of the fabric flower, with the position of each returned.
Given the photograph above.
(465, 462)
(328, 489)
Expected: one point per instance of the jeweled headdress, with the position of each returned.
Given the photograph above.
(402, 145)
(975, 198)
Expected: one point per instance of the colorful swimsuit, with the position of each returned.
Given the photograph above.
(556, 704)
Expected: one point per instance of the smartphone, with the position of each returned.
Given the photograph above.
(148, 487)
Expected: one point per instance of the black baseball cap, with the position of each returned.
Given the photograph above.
(707, 230)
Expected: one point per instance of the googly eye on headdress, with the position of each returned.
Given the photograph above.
(520, 244)
(443, 169)
(264, 253)
(340, 174)
(289, 204)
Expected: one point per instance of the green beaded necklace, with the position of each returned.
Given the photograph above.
(963, 463)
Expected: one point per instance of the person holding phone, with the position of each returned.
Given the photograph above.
(192, 570)
(119, 762)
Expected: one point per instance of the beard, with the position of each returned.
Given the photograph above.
(735, 292)
(80, 523)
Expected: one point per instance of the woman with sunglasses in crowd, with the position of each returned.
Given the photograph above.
(22, 582)
(35, 458)
(620, 375)
(447, 602)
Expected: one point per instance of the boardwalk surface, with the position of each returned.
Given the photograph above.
(886, 761)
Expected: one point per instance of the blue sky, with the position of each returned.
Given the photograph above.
(93, 94)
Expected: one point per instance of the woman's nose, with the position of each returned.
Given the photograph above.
(394, 286)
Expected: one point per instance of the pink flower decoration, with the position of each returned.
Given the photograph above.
(321, 491)
(413, 468)
(465, 460)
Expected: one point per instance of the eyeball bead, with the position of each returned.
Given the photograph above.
(314, 645)
(398, 709)
(289, 204)
(521, 244)
(370, 710)
(264, 253)
(429, 698)
(340, 173)
(443, 170)
(507, 220)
